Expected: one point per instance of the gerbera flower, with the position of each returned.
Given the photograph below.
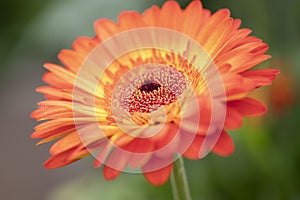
(150, 88)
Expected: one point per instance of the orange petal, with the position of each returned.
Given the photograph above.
(255, 61)
(248, 39)
(105, 29)
(170, 15)
(115, 163)
(243, 56)
(166, 136)
(105, 148)
(52, 113)
(52, 137)
(52, 124)
(159, 177)
(68, 142)
(84, 45)
(54, 93)
(192, 13)
(49, 128)
(224, 145)
(214, 21)
(224, 68)
(217, 38)
(200, 119)
(61, 72)
(139, 145)
(235, 86)
(262, 76)
(110, 173)
(192, 152)
(248, 107)
(45, 133)
(206, 14)
(236, 24)
(233, 119)
(71, 59)
(130, 20)
(79, 153)
(81, 110)
(139, 160)
(246, 48)
(56, 81)
(60, 160)
(151, 16)
(261, 49)
(234, 40)
(48, 112)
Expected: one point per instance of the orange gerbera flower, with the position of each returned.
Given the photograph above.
(151, 87)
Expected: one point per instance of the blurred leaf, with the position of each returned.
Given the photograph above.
(125, 187)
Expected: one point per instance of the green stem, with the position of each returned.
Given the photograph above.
(179, 181)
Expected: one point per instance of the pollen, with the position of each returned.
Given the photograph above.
(152, 89)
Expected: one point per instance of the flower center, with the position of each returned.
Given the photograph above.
(149, 86)
(149, 97)
(151, 89)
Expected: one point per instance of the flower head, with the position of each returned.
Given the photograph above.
(152, 87)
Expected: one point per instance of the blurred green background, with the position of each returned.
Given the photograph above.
(265, 165)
